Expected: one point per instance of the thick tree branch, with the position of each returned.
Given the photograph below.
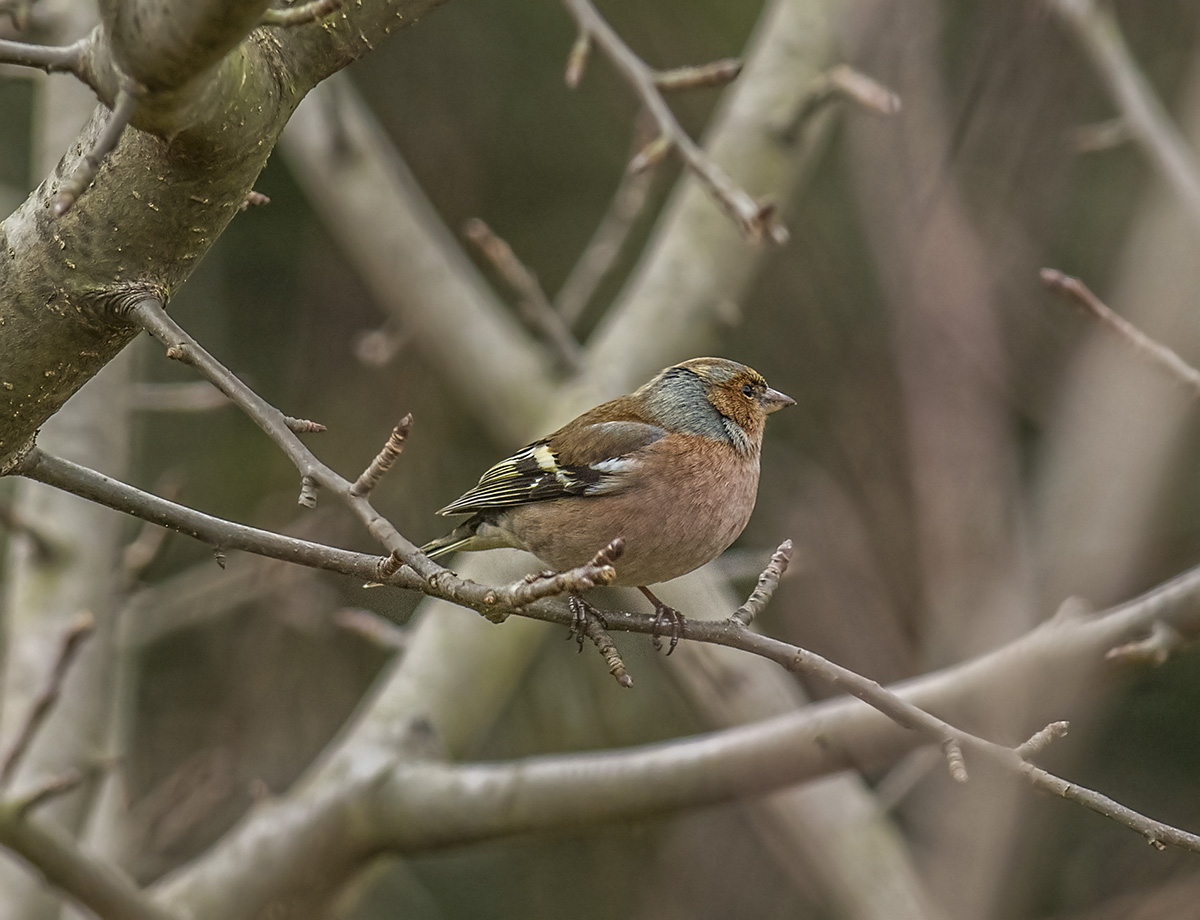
(222, 94)
(70, 59)
(79, 875)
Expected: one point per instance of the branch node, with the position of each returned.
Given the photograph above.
(219, 557)
(954, 760)
(308, 492)
(303, 425)
(388, 566)
(253, 199)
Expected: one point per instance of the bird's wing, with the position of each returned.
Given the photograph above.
(592, 461)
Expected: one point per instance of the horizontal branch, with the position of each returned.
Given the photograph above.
(70, 59)
(515, 600)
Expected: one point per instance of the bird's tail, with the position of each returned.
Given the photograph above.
(461, 537)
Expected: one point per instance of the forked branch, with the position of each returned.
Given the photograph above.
(758, 221)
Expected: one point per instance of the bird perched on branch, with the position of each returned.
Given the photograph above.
(671, 468)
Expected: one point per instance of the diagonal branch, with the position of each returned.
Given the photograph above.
(69, 646)
(106, 143)
(1095, 26)
(1154, 352)
(758, 222)
(67, 867)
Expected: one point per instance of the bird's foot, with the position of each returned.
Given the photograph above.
(581, 610)
(663, 615)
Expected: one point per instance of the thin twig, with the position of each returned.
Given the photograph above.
(85, 172)
(69, 646)
(378, 630)
(1042, 739)
(952, 750)
(1095, 26)
(302, 425)
(599, 571)
(598, 258)
(43, 545)
(534, 307)
(53, 788)
(143, 549)
(577, 60)
(768, 581)
(596, 629)
(759, 222)
(1155, 649)
(842, 82)
(1157, 354)
(700, 76)
(384, 460)
(1103, 135)
(300, 15)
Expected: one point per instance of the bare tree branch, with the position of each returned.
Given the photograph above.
(70, 59)
(601, 253)
(77, 874)
(44, 702)
(411, 262)
(106, 142)
(757, 221)
(1095, 26)
(539, 315)
(1154, 352)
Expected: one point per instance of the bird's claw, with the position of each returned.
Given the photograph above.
(666, 615)
(581, 610)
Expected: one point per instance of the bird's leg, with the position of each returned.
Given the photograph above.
(580, 611)
(663, 614)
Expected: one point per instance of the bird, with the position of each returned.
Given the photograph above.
(671, 468)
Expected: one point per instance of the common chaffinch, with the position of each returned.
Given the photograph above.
(672, 468)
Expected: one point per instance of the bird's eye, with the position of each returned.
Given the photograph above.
(747, 389)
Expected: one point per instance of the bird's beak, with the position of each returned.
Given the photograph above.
(773, 400)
